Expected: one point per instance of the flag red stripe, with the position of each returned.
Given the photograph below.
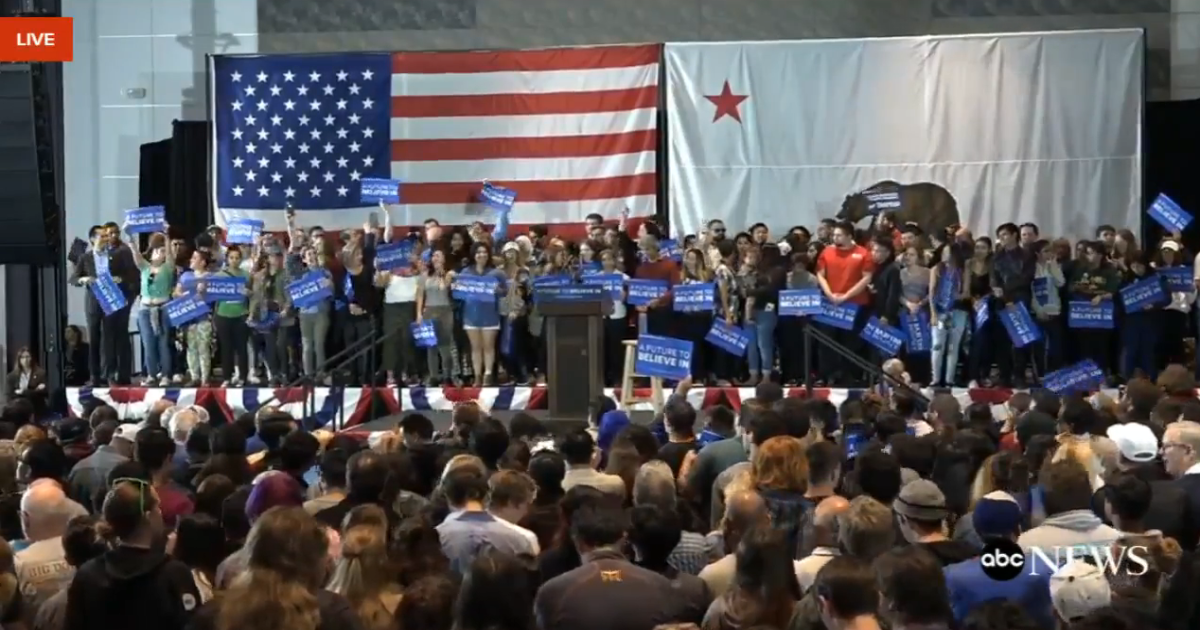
(524, 104)
(551, 147)
(538, 190)
(585, 58)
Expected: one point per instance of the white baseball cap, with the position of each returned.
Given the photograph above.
(1135, 441)
(127, 431)
(1077, 589)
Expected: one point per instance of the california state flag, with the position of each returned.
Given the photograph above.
(780, 132)
(1003, 127)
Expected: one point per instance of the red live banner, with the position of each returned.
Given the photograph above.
(36, 39)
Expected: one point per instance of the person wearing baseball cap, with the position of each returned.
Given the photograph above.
(997, 517)
(922, 512)
(1136, 444)
(1076, 590)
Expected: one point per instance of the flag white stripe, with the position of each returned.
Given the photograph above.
(535, 82)
(450, 214)
(525, 169)
(524, 126)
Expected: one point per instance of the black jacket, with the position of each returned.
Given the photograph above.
(885, 292)
(123, 269)
(132, 589)
(1012, 272)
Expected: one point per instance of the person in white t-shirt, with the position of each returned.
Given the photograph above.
(399, 312)
(42, 568)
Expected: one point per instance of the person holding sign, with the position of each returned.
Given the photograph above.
(1047, 307)
(229, 320)
(616, 325)
(914, 299)
(1179, 273)
(198, 334)
(481, 315)
(949, 312)
(727, 304)
(154, 330)
(362, 304)
(654, 266)
(108, 325)
(979, 284)
(1143, 294)
(760, 281)
(695, 324)
(514, 312)
(314, 318)
(399, 286)
(844, 271)
(270, 315)
(791, 329)
(1095, 281)
(434, 304)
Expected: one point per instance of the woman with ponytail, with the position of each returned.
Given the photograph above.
(365, 575)
(282, 586)
(156, 590)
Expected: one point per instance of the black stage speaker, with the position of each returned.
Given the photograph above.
(29, 222)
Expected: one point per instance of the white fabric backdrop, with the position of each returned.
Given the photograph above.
(1042, 127)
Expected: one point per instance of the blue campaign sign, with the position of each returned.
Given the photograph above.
(266, 321)
(887, 339)
(498, 197)
(949, 285)
(917, 330)
(375, 190)
(1084, 376)
(801, 302)
(310, 290)
(841, 316)
(1179, 278)
(569, 293)
(663, 357)
(1169, 214)
(186, 309)
(108, 294)
(983, 311)
(1145, 293)
(883, 201)
(643, 292)
(1019, 325)
(224, 289)
(1081, 314)
(393, 256)
(731, 339)
(590, 268)
(614, 283)
(1041, 290)
(475, 288)
(244, 231)
(424, 334)
(552, 280)
(691, 298)
(145, 220)
(669, 248)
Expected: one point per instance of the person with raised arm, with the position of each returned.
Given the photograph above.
(154, 329)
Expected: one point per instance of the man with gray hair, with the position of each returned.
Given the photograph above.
(180, 424)
(41, 568)
(1181, 458)
(655, 485)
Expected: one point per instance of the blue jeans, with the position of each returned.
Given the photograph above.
(156, 344)
(947, 342)
(762, 352)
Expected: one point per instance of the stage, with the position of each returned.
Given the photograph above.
(346, 408)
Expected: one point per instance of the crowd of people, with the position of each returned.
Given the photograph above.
(888, 271)
(791, 514)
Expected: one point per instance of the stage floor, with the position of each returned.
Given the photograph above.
(343, 408)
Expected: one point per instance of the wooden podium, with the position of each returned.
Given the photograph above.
(574, 347)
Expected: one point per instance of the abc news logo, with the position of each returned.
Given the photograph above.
(1004, 560)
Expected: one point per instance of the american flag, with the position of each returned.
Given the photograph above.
(572, 130)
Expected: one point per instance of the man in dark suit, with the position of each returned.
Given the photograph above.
(110, 357)
(1181, 458)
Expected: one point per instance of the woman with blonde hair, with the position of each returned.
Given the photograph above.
(1005, 471)
(779, 473)
(365, 576)
(282, 586)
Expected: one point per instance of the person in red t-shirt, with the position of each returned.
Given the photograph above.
(844, 271)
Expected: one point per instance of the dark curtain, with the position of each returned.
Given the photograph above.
(1172, 149)
(174, 174)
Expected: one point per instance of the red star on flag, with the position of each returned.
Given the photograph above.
(727, 103)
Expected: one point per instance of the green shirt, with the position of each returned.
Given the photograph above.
(160, 286)
(233, 309)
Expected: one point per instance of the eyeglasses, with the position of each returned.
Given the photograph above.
(1167, 445)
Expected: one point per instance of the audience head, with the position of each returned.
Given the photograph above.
(366, 476)
(46, 510)
(1181, 447)
(497, 592)
(878, 475)
(489, 440)
(655, 485)
(921, 506)
(845, 590)
(511, 493)
(1078, 589)
(912, 587)
(428, 604)
(865, 529)
(131, 513)
(81, 542)
(765, 578)
(275, 489)
(578, 448)
(465, 485)
(598, 526)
